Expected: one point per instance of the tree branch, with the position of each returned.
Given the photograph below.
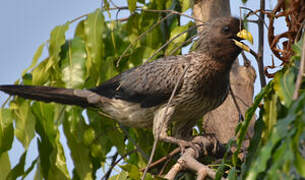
(188, 159)
(260, 59)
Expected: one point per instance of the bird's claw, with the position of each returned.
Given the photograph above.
(184, 144)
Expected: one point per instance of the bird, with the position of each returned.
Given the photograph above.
(196, 83)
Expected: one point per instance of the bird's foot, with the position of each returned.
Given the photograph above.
(207, 143)
(184, 144)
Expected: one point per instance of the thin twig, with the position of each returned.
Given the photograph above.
(300, 74)
(117, 161)
(141, 36)
(165, 112)
(108, 173)
(122, 19)
(78, 18)
(297, 37)
(171, 154)
(164, 166)
(6, 101)
(254, 13)
(254, 54)
(111, 2)
(133, 141)
(140, 8)
(252, 21)
(241, 117)
(119, 8)
(171, 40)
(172, 12)
(260, 59)
(183, 44)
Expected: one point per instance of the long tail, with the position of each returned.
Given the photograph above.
(83, 98)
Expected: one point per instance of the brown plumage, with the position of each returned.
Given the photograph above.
(139, 96)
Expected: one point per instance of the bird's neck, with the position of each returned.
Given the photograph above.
(215, 63)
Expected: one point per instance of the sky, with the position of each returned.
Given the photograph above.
(27, 24)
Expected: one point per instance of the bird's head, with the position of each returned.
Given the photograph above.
(222, 38)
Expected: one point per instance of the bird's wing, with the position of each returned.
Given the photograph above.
(150, 84)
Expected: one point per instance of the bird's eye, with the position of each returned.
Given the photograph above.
(226, 29)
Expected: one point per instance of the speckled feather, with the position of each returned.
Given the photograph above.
(137, 95)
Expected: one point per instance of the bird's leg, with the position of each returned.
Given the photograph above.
(161, 122)
(183, 130)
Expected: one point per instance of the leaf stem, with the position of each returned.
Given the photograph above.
(300, 74)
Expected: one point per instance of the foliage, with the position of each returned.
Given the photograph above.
(276, 150)
(98, 51)
(85, 61)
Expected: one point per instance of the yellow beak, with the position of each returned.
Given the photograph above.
(244, 34)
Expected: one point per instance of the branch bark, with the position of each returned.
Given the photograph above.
(260, 59)
(188, 160)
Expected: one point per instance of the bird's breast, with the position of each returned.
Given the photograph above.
(200, 93)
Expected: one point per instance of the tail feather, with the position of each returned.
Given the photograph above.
(50, 94)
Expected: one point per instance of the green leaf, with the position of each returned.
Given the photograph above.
(260, 164)
(151, 41)
(157, 4)
(18, 170)
(185, 4)
(284, 86)
(106, 5)
(37, 55)
(132, 4)
(270, 115)
(280, 156)
(297, 48)
(221, 168)
(40, 74)
(5, 165)
(38, 174)
(80, 30)
(107, 138)
(59, 168)
(133, 171)
(107, 69)
(277, 147)
(73, 64)
(94, 27)
(25, 121)
(248, 116)
(30, 168)
(57, 39)
(89, 136)
(133, 28)
(52, 159)
(254, 145)
(74, 127)
(179, 36)
(47, 117)
(123, 175)
(299, 163)
(232, 174)
(299, 160)
(6, 130)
